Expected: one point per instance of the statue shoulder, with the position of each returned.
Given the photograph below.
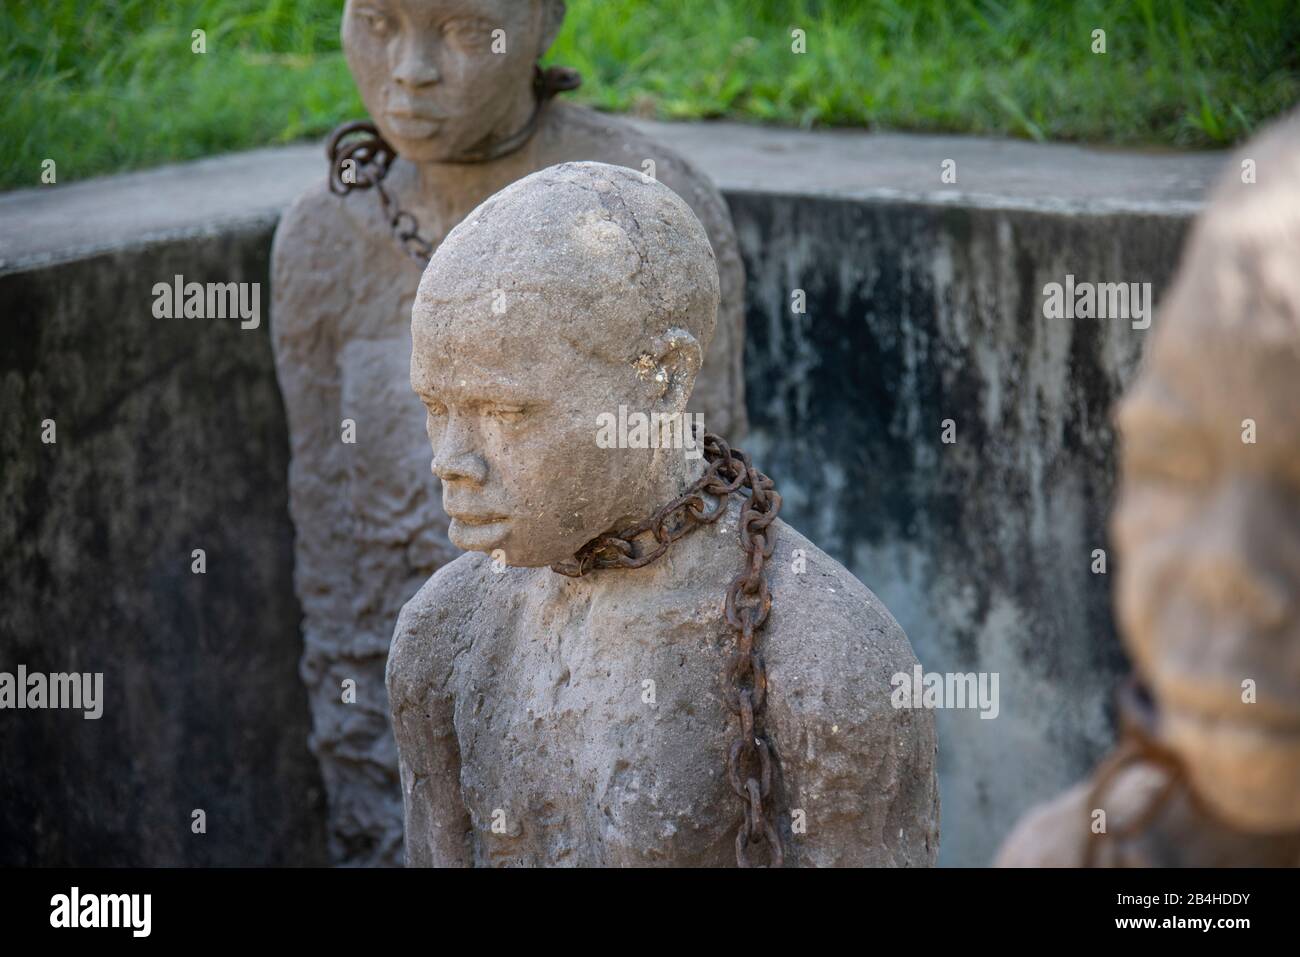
(433, 626)
(312, 262)
(831, 652)
(1050, 834)
(309, 221)
(1054, 833)
(583, 133)
(315, 238)
(820, 610)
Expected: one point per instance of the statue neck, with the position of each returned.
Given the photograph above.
(673, 475)
(446, 192)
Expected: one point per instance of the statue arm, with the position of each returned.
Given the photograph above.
(1046, 837)
(875, 796)
(423, 716)
(863, 773)
(308, 297)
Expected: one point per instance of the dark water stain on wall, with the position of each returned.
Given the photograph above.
(924, 317)
(170, 437)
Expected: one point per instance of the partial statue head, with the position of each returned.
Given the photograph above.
(1208, 518)
(444, 78)
(574, 291)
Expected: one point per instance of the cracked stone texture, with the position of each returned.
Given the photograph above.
(518, 694)
(367, 516)
(1205, 526)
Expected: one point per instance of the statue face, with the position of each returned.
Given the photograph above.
(429, 76)
(512, 418)
(1208, 528)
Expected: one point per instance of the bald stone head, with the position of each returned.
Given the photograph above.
(441, 78)
(574, 291)
(1208, 517)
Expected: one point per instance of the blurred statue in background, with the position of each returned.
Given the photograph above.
(460, 109)
(599, 682)
(1207, 772)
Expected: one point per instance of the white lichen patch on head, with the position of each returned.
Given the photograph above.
(647, 368)
(596, 234)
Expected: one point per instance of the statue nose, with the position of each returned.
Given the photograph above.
(415, 67)
(460, 466)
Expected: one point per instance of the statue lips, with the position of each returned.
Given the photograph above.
(410, 124)
(477, 531)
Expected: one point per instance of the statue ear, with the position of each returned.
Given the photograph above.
(678, 358)
(552, 19)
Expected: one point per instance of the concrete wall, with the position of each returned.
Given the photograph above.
(982, 548)
(923, 304)
(170, 437)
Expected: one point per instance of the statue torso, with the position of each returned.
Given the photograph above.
(562, 735)
(591, 728)
(589, 712)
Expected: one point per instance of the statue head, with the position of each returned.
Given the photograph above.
(1208, 518)
(574, 291)
(442, 78)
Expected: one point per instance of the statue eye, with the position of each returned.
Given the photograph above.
(375, 20)
(435, 408)
(465, 31)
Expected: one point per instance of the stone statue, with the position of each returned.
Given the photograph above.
(543, 719)
(450, 84)
(1208, 528)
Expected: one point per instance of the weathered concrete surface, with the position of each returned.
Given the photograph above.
(983, 548)
(923, 304)
(242, 192)
(170, 437)
(989, 172)
(255, 186)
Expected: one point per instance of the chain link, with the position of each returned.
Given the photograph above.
(746, 606)
(1138, 745)
(360, 144)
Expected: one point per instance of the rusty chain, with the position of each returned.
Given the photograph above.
(746, 607)
(1138, 745)
(361, 144)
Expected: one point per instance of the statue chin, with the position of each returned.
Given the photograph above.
(420, 149)
(1247, 775)
(443, 141)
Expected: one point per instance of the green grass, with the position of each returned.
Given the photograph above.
(101, 86)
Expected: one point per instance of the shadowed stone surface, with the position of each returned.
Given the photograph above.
(170, 437)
